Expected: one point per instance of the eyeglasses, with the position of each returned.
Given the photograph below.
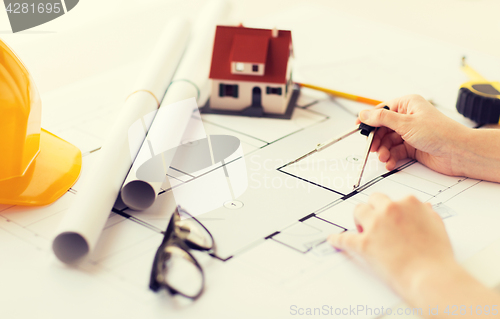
(174, 267)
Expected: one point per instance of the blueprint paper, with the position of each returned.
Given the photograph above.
(264, 277)
(82, 225)
(157, 150)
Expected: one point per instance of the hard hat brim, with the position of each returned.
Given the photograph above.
(51, 174)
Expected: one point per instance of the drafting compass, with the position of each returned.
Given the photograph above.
(366, 130)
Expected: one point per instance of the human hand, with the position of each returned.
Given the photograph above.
(413, 128)
(402, 241)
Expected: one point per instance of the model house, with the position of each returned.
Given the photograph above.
(251, 68)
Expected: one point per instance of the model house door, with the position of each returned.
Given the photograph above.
(256, 96)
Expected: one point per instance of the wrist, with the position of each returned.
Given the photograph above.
(477, 154)
(462, 157)
(427, 276)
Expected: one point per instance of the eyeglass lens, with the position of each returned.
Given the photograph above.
(190, 230)
(180, 272)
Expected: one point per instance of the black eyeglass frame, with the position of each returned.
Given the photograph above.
(171, 238)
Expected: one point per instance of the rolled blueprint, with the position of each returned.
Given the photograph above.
(190, 80)
(81, 227)
(157, 151)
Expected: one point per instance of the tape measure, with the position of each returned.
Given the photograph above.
(479, 99)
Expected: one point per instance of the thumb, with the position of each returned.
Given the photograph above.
(382, 117)
(344, 241)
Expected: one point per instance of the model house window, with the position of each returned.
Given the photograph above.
(239, 66)
(255, 68)
(228, 90)
(270, 90)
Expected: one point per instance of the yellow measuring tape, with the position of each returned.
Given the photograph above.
(479, 99)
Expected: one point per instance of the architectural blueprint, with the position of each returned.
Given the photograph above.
(277, 228)
(271, 251)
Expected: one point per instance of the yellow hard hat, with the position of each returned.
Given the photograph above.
(36, 167)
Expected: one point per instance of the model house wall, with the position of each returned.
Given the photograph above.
(271, 102)
(248, 68)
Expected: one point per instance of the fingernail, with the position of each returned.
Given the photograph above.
(364, 115)
(331, 239)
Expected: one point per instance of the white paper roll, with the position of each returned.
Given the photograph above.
(190, 80)
(81, 227)
(157, 151)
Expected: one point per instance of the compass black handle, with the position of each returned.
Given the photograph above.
(367, 129)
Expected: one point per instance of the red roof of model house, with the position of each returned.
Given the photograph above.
(240, 44)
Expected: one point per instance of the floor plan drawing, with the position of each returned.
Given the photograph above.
(270, 221)
(290, 210)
